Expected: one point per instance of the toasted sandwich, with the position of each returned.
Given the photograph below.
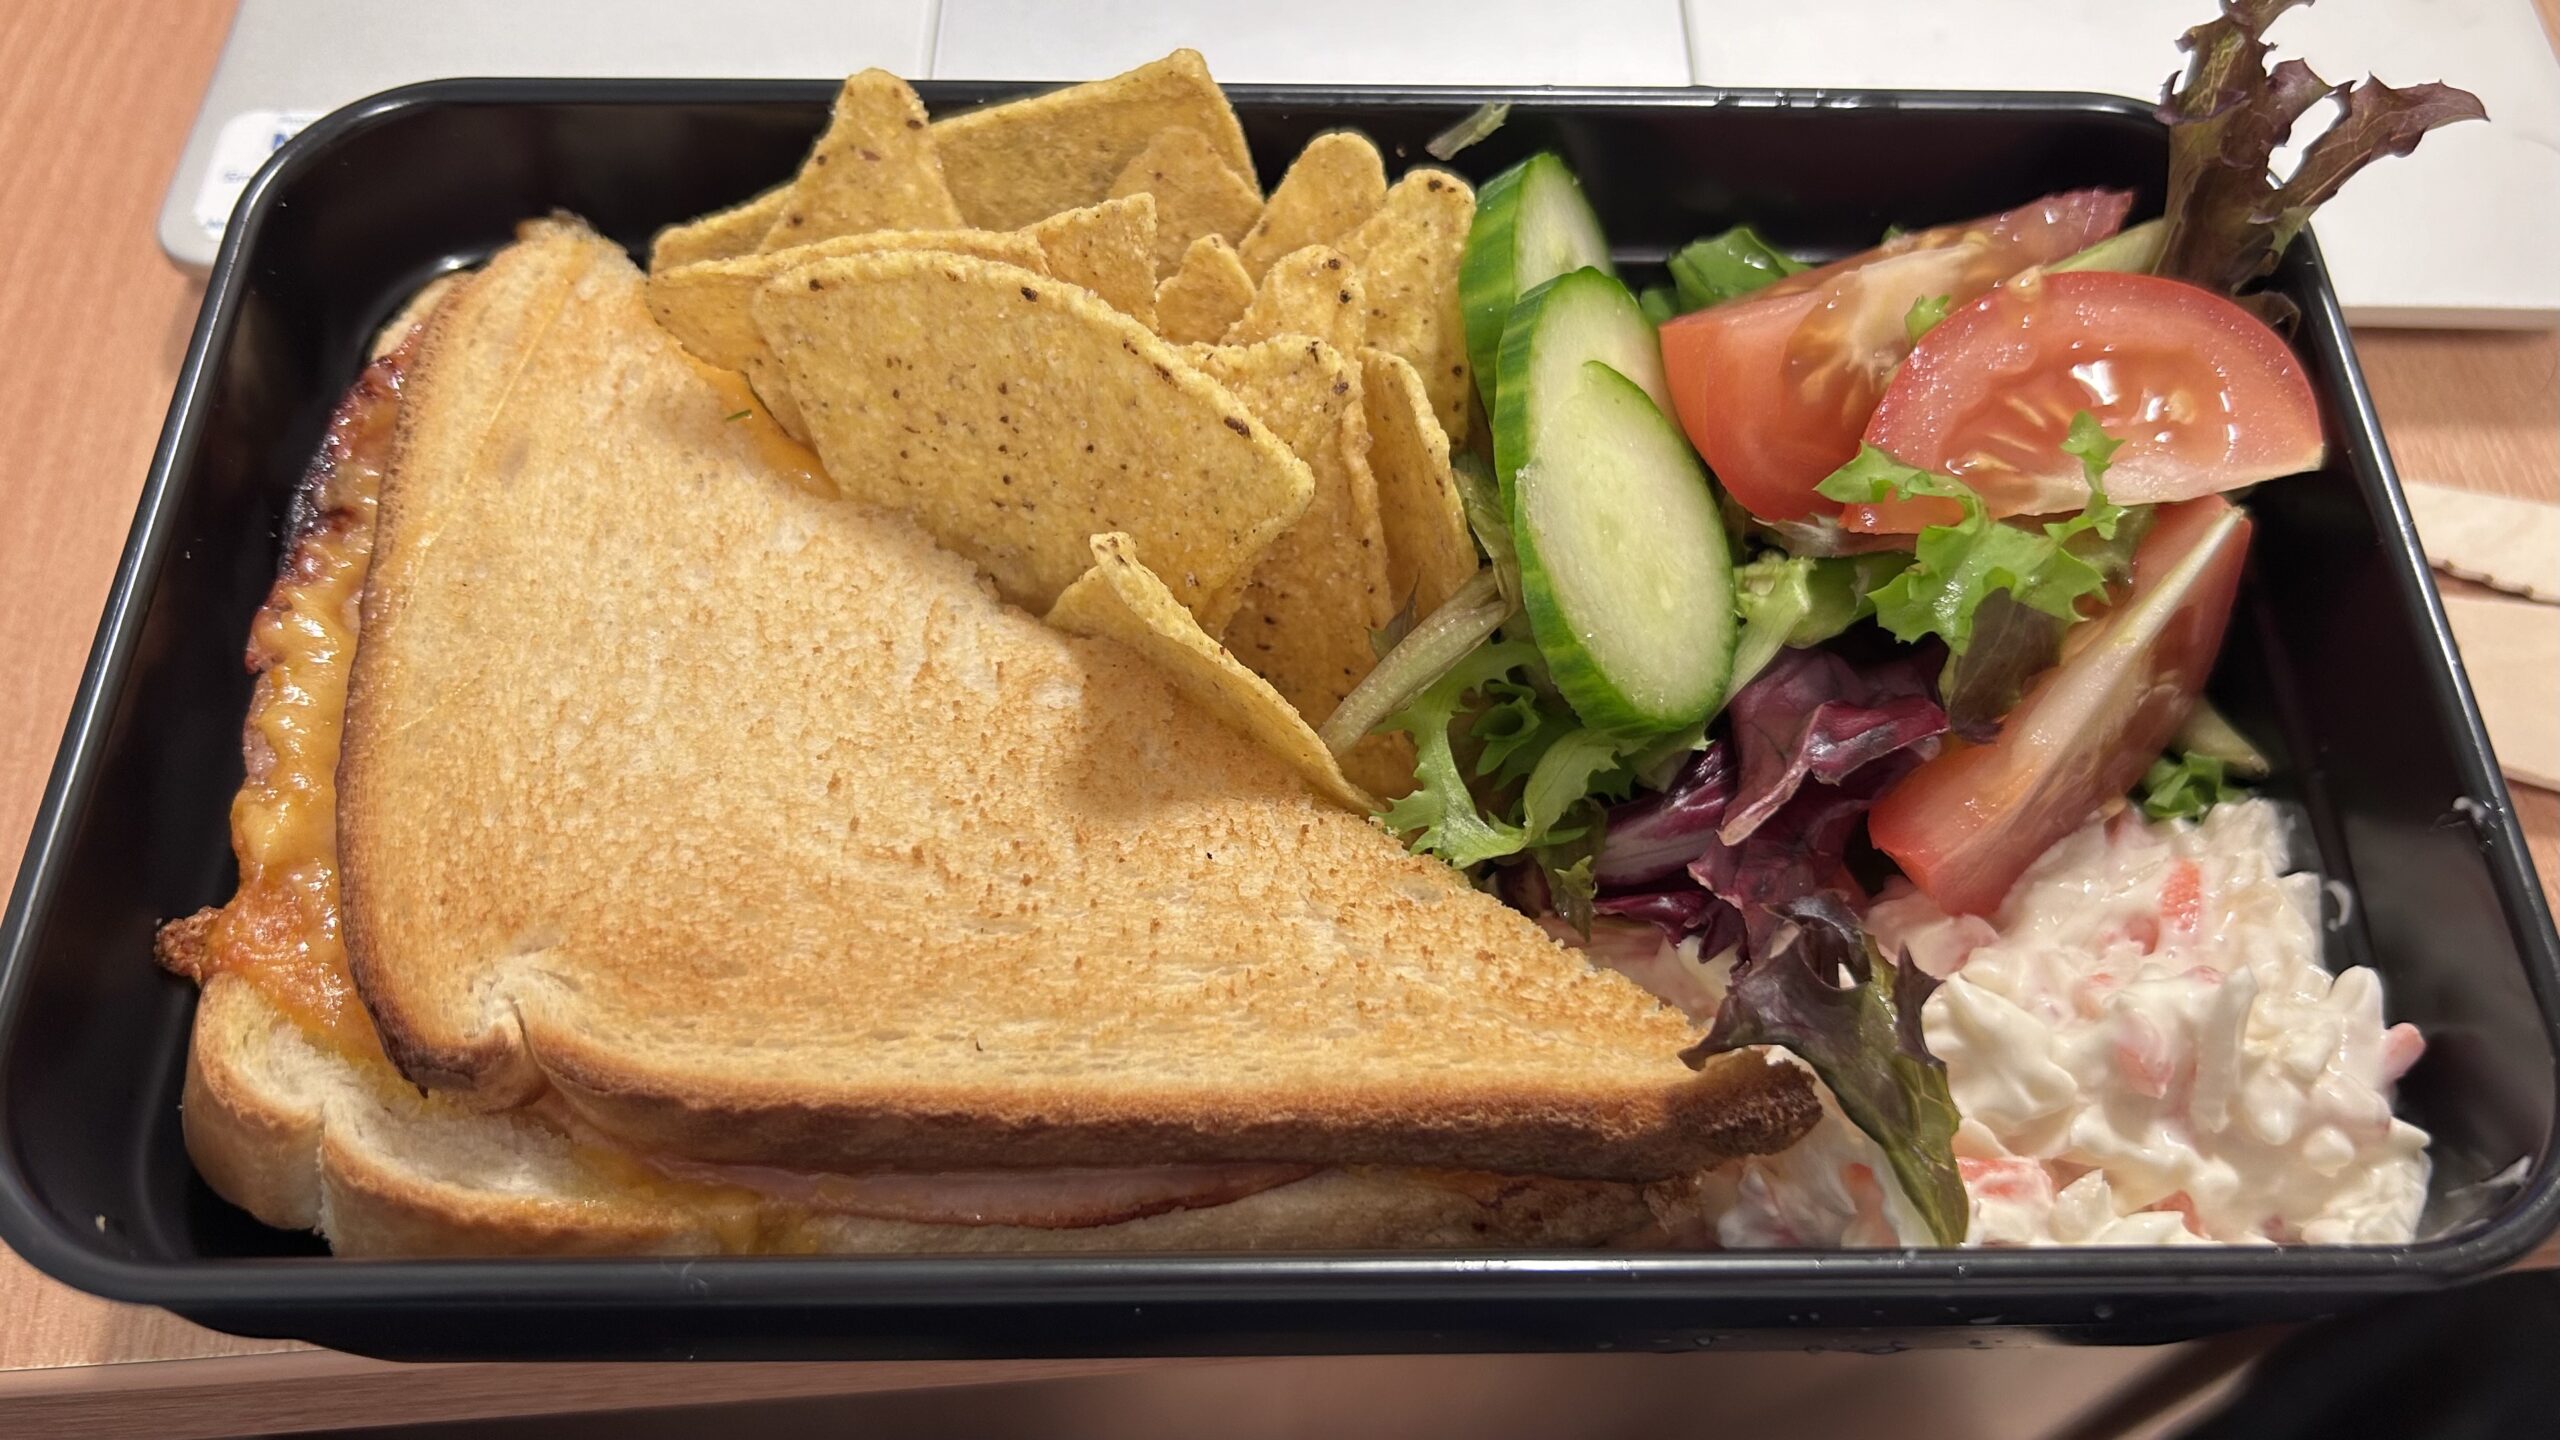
(643, 850)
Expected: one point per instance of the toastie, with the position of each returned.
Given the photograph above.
(645, 850)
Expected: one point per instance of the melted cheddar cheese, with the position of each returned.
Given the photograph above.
(280, 932)
(774, 446)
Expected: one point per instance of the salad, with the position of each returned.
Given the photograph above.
(1837, 672)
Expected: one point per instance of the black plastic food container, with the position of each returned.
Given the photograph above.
(2340, 662)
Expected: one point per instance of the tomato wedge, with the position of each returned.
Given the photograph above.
(1968, 823)
(1775, 388)
(2204, 396)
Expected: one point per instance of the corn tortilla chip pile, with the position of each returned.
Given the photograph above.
(1334, 184)
(706, 305)
(1121, 599)
(721, 235)
(1430, 552)
(1408, 256)
(1312, 292)
(1198, 194)
(1015, 417)
(874, 169)
(1308, 612)
(1204, 295)
(1108, 249)
(1009, 165)
(1069, 337)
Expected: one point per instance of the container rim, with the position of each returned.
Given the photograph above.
(927, 1282)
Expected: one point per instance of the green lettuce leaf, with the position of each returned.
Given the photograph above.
(1383, 641)
(1441, 814)
(1578, 765)
(1792, 601)
(1567, 866)
(2229, 220)
(1924, 315)
(2186, 787)
(1819, 991)
(1543, 774)
(1514, 729)
(1725, 267)
(2044, 575)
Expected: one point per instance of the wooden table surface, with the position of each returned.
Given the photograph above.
(95, 101)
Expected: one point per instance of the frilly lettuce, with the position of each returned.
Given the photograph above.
(1820, 992)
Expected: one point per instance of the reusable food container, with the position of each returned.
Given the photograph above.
(2340, 662)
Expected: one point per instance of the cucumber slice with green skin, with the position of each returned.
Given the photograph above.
(1531, 225)
(1577, 316)
(1624, 568)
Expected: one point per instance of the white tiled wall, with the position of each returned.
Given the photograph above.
(1354, 42)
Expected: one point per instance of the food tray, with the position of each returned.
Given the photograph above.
(2340, 660)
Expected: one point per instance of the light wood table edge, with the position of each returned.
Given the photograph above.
(312, 1389)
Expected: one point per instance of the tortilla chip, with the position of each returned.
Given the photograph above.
(1121, 599)
(1196, 194)
(1313, 292)
(1209, 293)
(709, 306)
(1013, 417)
(1313, 600)
(1108, 249)
(1011, 164)
(720, 235)
(1408, 256)
(1430, 550)
(873, 169)
(1336, 183)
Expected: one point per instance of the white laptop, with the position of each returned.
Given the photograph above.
(2458, 234)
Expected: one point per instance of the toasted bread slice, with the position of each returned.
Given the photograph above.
(308, 1137)
(755, 827)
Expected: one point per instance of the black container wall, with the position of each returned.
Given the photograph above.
(2341, 660)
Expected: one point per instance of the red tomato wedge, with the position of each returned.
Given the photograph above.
(1775, 388)
(1968, 823)
(2204, 396)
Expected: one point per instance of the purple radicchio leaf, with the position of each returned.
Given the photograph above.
(1654, 837)
(1679, 913)
(1812, 715)
(1815, 990)
(1799, 850)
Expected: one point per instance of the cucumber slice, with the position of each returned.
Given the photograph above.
(1531, 225)
(1577, 316)
(1624, 568)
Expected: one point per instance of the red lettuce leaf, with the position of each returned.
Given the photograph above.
(1680, 913)
(2012, 644)
(1818, 991)
(2229, 221)
(1798, 851)
(1655, 837)
(1811, 715)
